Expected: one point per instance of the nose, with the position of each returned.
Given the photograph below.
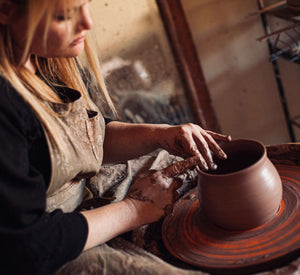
(85, 22)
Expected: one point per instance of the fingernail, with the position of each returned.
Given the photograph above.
(223, 155)
(214, 166)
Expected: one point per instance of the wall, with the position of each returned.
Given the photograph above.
(121, 24)
(239, 76)
(137, 61)
(236, 66)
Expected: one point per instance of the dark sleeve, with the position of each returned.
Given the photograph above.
(32, 241)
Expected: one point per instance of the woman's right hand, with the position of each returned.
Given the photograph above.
(153, 193)
(150, 197)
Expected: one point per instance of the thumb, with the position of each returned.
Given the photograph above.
(180, 166)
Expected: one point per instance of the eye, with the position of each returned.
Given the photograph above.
(63, 17)
(60, 18)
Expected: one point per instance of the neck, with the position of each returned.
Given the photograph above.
(19, 55)
(29, 65)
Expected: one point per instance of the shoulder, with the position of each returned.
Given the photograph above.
(15, 111)
(9, 97)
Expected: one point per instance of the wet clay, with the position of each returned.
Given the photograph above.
(138, 195)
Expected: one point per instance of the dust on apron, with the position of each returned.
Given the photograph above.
(82, 132)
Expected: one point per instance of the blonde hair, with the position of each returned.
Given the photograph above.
(68, 71)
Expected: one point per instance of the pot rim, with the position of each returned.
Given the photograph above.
(250, 167)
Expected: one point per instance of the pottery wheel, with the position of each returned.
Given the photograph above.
(194, 239)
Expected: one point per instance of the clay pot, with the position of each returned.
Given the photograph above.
(245, 191)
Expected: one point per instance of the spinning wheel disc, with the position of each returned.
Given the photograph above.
(192, 238)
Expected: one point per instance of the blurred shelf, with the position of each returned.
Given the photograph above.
(286, 42)
(286, 13)
(283, 43)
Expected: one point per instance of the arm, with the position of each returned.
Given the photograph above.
(150, 197)
(109, 221)
(125, 141)
(34, 241)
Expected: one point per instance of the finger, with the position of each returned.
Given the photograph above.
(219, 137)
(204, 148)
(190, 149)
(196, 144)
(215, 147)
(185, 146)
(181, 166)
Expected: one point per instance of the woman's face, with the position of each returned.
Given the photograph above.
(66, 31)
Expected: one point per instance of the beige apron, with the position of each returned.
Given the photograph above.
(82, 132)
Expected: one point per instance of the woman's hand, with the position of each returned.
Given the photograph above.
(151, 196)
(191, 140)
(153, 193)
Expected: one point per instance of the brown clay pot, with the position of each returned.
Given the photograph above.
(245, 191)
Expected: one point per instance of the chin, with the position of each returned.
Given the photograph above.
(77, 50)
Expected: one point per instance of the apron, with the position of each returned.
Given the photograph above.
(83, 134)
(80, 154)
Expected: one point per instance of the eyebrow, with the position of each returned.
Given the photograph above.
(73, 9)
(82, 4)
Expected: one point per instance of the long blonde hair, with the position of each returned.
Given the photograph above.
(54, 70)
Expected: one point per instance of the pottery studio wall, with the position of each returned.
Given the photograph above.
(138, 63)
(237, 69)
(236, 66)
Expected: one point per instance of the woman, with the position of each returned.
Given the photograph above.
(52, 138)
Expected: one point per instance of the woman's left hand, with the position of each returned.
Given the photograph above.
(189, 140)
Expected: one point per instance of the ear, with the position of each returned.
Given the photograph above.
(7, 12)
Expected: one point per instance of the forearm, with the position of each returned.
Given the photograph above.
(109, 221)
(124, 141)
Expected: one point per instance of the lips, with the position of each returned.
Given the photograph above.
(78, 40)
